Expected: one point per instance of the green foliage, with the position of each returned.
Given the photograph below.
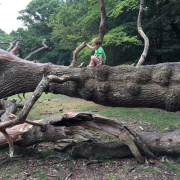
(35, 17)
(69, 23)
(117, 36)
(4, 37)
(126, 167)
(119, 8)
(40, 175)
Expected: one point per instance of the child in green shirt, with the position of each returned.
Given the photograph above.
(99, 58)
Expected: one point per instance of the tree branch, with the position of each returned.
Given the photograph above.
(75, 55)
(103, 20)
(17, 48)
(101, 34)
(11, 44)
(40, 49)
(146, 48)
(10, 142)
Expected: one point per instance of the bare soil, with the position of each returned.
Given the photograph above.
(41, 162)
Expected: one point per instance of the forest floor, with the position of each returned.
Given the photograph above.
(41, 162)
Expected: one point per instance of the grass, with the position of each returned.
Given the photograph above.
(153, 170)
(172, 166)
(159, 118)
(40, 175)
(112, 177)
(126, 167)
(51, 105)
(175, 166)
(6, 177)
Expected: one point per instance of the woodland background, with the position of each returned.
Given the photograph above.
(68, 23)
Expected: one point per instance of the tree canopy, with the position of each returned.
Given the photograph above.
(69, 23)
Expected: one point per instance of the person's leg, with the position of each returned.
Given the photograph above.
(93, 61)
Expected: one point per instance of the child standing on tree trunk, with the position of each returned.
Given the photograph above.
(99, 57)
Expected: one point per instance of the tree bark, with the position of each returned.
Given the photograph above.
(74, 126)
(141, 32)
(103, 20)
(154, 86)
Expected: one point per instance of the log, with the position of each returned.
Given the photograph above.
(72, 125)
(106, 126)
(76, 125)
(154, 86)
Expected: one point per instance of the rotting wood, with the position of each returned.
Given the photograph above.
(25, 135)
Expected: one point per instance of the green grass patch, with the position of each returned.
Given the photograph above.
(112, 177)
(126, 167)
(159, 118)
(6, 177)
(52, 105)
(40, 175)
(153, 170)
(172, 166)
(70, 165)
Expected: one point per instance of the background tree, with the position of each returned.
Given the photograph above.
(69, 23)
(35, 18)
(4, 37)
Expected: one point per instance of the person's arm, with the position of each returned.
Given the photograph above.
(89, 46)
(101, 59)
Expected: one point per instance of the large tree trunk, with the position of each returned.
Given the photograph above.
(103, 20)
(128, 86)
(73, 125)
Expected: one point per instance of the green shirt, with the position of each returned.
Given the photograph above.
(98, 51)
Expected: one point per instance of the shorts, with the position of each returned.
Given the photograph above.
(98, 61)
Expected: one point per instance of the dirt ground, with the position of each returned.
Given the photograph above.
(40, 162)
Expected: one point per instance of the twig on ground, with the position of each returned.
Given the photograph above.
(51, 175)
(133, 168)
(68, 176)
(92, 162)
(65, 147)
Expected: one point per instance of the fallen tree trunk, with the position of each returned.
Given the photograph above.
(128, 86)
(73, 126)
